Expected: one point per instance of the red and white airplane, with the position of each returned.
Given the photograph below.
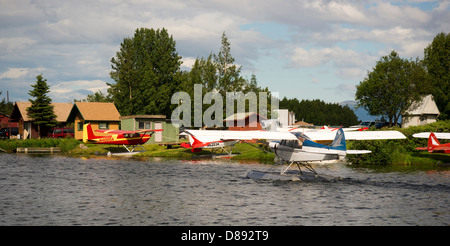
(433, 143)
(207, 142)
(119, 137)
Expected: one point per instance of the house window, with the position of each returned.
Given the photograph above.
(80, 126)
(144, 125)
(103, 125)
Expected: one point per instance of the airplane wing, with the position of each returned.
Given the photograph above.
(442, 149)
(422, 148)
(127, 132)
(357, 152)
(356, 135)
(439, 135)
(215, 135)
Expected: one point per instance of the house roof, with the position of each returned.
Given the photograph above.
(94, 111)
(426, 106)
(61, 111)
(302, 123)
(242, 116)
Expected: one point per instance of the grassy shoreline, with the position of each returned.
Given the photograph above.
(242, 152)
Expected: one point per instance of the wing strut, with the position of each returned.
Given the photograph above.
(269, 152)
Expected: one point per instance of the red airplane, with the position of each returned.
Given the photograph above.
(119, 137)
(434, 146)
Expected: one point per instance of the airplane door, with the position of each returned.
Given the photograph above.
(158, 135)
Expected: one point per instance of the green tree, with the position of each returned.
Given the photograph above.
(5, 107)
(218, 73)
(41, 110)
(392, 86)
(228, 74)
(96, 97)
(437, 61)
(146, 72)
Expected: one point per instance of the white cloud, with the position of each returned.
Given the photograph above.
(89, 62)
(15, 44)
(348, 63)
(14, 73)
(89, 85)
(188, 62)
(78, 89)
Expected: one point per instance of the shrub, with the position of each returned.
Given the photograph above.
(65, 144)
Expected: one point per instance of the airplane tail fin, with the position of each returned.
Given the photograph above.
(432, 142)
(194, 143)
(88, 133)
(339, 141)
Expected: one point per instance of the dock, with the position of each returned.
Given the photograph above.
(50, 150)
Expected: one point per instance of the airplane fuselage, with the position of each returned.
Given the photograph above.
(291, 151)
(219, 144)
(120, 139)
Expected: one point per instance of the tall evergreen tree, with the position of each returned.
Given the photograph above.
(41, 110)
(146, 72)
(229, 78)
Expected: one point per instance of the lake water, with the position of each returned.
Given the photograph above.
(61, 190)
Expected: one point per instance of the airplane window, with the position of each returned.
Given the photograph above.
(297, 144)
(291, 143)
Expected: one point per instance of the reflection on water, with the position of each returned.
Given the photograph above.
(59, 190)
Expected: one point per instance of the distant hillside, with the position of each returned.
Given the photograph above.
(361, 113)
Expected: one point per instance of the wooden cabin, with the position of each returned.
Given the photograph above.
(244, 121)
(421, 113)
(101, 115)
(27, 129)
(141, 122)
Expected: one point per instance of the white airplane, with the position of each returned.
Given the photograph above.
(291, 147)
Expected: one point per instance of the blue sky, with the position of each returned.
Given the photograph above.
(303, 49)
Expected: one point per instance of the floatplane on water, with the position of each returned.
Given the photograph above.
(294, 148)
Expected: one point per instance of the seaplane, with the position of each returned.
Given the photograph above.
(118, 137)
(433, 143)
(293, 148)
